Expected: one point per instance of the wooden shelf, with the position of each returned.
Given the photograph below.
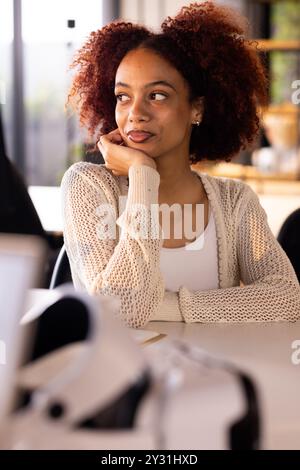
(243, 172)
(278, 45)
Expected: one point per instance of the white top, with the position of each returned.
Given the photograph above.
(195, 265)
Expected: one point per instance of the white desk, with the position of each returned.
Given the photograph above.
(264, 351)
(47, 202)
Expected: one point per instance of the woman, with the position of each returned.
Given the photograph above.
(160, 102)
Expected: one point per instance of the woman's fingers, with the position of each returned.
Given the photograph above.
(118, 158)
(106, 141)
(100, 145)
(115, 136)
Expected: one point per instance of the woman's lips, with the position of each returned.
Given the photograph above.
(139, 137)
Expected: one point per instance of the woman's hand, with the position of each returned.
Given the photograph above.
(119, 158)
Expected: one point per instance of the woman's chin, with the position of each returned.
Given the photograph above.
(142, 147)
(150, 150)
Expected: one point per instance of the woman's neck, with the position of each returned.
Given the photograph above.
(179, 184)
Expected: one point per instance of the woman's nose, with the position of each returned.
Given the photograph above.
(138, 111)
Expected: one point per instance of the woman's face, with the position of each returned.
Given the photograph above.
(152, 96)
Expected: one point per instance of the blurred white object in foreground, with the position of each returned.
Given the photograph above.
(105, 392)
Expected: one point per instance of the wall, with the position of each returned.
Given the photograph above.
(153, 12)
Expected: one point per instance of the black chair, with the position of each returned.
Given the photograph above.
(289, 239)
(62, 271)
(17, 212)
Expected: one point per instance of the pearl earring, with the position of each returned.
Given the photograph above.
(197, 123)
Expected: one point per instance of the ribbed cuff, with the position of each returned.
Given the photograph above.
(168, 309)
(143, 185)
(188, 304)
(140, 219)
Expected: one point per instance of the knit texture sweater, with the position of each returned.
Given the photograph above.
(114, 249)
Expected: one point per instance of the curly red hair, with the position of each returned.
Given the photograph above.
(206, 44)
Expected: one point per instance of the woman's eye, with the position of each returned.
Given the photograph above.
(161, 96)
(120, 96)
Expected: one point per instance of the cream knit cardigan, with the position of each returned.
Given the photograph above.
(256, 279)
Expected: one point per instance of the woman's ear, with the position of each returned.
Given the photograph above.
(197, 109)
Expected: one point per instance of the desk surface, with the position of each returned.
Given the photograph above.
(47, 201)
(264, 350)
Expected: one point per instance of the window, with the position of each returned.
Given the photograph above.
(53, 140)
(6, 61)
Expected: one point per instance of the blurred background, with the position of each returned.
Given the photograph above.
(37, 42)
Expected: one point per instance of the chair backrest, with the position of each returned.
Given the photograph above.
(289, 239)
(62, 271)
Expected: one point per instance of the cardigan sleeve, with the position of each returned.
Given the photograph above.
(125, 266)
(270, 292)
